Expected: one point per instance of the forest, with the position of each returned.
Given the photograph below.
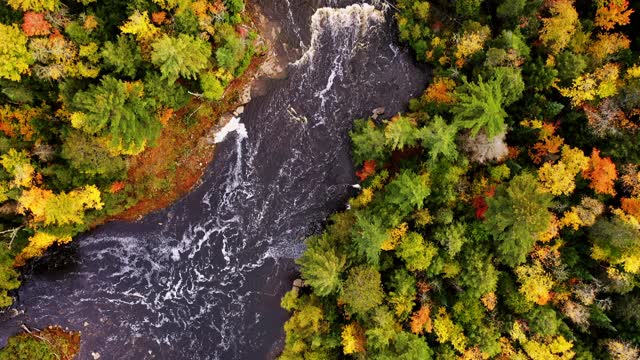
(500, 216)
(87, 87)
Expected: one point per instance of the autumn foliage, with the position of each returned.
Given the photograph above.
(34, 24)
(602, 174)
(612, 13)
(368, 169)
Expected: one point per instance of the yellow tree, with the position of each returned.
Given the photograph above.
(18, 165)
(557, 30)
(38, 243)
(140, 26)
(33, 5)
(536, 283)
(353, 339)
(14, 57)
(60, 209)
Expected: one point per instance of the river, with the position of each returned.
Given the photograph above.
(203, 278)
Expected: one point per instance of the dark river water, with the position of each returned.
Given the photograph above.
(203, 278)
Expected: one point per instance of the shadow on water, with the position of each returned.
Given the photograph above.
(203, 278)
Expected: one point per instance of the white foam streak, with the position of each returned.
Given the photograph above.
(233, 125)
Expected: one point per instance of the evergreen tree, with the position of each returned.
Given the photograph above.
(517, 214)
(119, 111)
(183, 56)
(321, 266)
(479, 107)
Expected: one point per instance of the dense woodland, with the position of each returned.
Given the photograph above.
(85, 86)
(500, 217)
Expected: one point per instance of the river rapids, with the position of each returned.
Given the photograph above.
(203, 278)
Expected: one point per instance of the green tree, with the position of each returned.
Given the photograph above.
(368, 234)
(401, 132)
(117, 110)
(8, 276)
(416, 252)
(123, 56)
(468, 8)
(478, 275)
(362, 291)
(231, 47)
(14, 56)
(172, 95)
(479, 107)
(383, 330)
(517, 214)
(212, 87)
(368, 142)
(321, 266)
(88, 156)
(440, 138)
(407, 192)
(402, 293)
(180, 56)
(451, 237)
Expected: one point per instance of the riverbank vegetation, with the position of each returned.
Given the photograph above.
(102, 104)
(499, 217)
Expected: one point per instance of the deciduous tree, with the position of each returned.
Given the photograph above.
(14, 57)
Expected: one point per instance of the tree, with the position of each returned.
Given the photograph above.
(119, 111)
(416, 252)
(179, 56)
(447, 331)
(478, 276)
(33, 5)
(368, 142)
(123, 56)
(479, 107)
(34, 24)
(602, 174)
(613, 12)
(402, 293)
(368, 235)
(38, 243)
(362, 291)
(384, 329)
(88, 155)
(617, 242)
(18, 165)
(14, 57)
(421, 320)
(321, 267)
(440, 138)
(536, 283)
(212, 87)
(8, 277)
(140, 26)
(401, 132)
(517, 213)
(353, 339)
(59, 209)
(231, 48)
(558, 29)
(408, 191)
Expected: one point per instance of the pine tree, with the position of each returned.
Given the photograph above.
(479, 107)
(517, 213)
(321, 267)
(362, 291)
(119, 111)
(183, 56)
